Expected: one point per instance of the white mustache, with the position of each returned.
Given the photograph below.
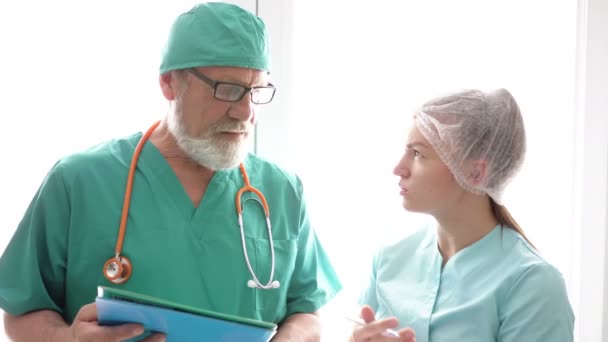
(233, 126)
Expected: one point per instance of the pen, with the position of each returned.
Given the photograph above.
(387, 332)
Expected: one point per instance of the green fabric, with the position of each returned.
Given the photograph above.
(496, 289)
(217, 34)
(180, 253)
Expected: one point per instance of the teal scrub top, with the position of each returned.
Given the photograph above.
(497, 289)
(180, 253)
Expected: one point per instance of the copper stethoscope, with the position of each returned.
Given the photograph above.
(118, 269)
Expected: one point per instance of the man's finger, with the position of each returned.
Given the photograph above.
(124, 331)
(90, 331)
(155, 338)
(87, 313)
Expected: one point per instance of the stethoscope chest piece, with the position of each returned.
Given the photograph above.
(117, 269)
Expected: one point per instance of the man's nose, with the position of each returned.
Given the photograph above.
(242, 110)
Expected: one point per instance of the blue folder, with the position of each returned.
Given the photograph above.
(178, 322)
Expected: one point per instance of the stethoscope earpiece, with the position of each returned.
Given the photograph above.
(117, 269)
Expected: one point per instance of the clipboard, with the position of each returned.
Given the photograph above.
(180, 323)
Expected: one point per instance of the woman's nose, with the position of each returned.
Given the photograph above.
(401, 169)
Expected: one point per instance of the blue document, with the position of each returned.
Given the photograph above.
(180, 323)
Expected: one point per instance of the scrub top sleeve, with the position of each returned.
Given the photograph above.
(314, 281)
(368, 296)
(537, 308)
(32, 268)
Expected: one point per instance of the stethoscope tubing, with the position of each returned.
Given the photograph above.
(118, 269)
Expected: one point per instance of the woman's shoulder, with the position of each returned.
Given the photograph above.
(534, 285)
(520, 251)
(526, 266)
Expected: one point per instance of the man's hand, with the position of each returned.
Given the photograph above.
(300, 327)
(85, 329)
(375, 331)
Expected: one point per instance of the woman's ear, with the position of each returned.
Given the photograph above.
(478, 172)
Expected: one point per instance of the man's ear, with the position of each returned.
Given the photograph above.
(167, 84)
(478, 172)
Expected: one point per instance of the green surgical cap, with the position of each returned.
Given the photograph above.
(216, 34)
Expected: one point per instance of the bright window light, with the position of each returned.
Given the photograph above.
(359, 72)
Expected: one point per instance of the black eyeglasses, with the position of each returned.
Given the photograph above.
(231, 92)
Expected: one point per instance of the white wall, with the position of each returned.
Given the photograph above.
(275, 134)
(566, 211)
(591, 188)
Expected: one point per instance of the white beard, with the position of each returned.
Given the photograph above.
(208, 150)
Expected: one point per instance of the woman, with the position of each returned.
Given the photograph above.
(473, 276)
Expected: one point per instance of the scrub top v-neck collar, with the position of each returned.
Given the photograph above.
(151, 162)
(462, 263)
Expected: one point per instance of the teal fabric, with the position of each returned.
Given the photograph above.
(498, 289)
(179, 252)
(217, 34)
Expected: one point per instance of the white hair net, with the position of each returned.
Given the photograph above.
(473, 125)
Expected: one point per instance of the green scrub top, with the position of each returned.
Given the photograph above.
(497, 289)
(179, 253)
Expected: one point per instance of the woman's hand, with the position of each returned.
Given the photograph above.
(375, 331)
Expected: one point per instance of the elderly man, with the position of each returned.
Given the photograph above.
(173, 189)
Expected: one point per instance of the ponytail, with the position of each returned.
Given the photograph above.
(505, 219)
